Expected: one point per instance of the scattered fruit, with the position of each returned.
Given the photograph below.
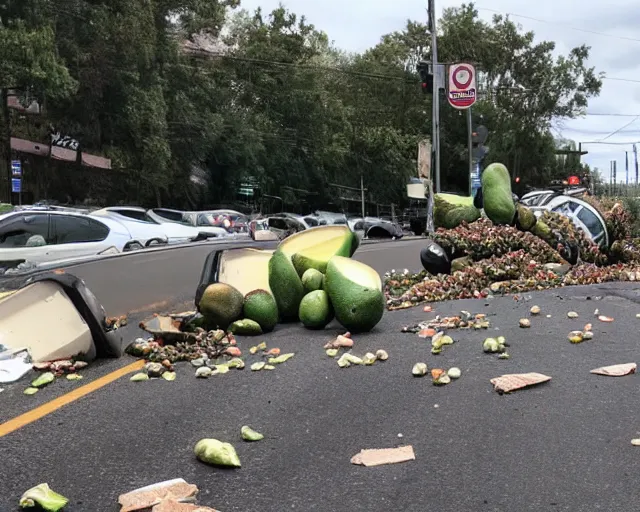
(220, 305)
(419, 370)
(280, 359)
(606, 319)
(44, 497)
(139, 377)
(369, 359)
(312, 280)
(204, 372)
(454, 373)
(382, 355)
(332, 352)
(576, 336)
(261, 307)
(212, 451)
(74, 376)
(31, 391)
(245, 327)
(572, 314)
(170, 376)
(535, 310)
(316, 311)
(256, 367)
(248, 434)
(525, 323)
(43, 380)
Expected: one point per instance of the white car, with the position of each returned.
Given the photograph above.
(144, 227)
(582, 214)
(202, 221)
(51, 236)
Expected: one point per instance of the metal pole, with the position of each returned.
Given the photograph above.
(470, 146)
(362, 192)
(635, 155)
(436, 92)
(615, 177)
(626, 165)
(7, 147)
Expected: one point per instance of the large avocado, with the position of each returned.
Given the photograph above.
(220, 305)
(285, 285)
(497, 195)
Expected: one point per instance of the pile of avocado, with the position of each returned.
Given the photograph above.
(312, 278)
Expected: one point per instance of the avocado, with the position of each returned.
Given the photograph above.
(312, 280)
(260, 306)
(355, 291)
(315, 310)
(317, 256)
(525, 218)
(286, 285)
(497, 195)
(450, 215)
(245, 327)
(220, 305)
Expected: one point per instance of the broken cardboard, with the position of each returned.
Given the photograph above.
(616, 370)
(515, 381)
(379, 457)
(176, 506)
(147, 497)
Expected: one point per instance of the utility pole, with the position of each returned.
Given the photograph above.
(635, 155)
(470, 148)
(615, 177)
(7, 132)
(436, 91)
(626, 166)
(362, 193)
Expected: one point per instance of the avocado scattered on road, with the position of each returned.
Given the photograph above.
(260, 306)
(312, 280)
(316, 311)
(286, 285)
(355, 291)
(220, 305)
(245, 327)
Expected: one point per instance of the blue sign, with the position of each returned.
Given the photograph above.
(16, 185)
(16, 167)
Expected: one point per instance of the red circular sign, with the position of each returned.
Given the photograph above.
(462, 84)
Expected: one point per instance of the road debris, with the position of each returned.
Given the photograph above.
(512, 382)
(439, 377)
(369, 359)
(465, 320)
(616, 370)
(535, 310)
(176, 506)
(572, 314)
(280, 359)
(379, 457)
(332, 352)
(154, 370)
(248, 434)
(576, 337)
(495, 345)
(454, 373)
(382, 355)
(43, 496)
(525, 323)
(341, 341)
(139, 377)
(170, 376)
(204, 372)
(147, 497)
(419, 370)
(212, 451)
(31, 391)
(635, 442)
(347, 359)
(257, 348)
(74, 376)
(439, 341)
(606, 319)
(43, 380)
(115, 322)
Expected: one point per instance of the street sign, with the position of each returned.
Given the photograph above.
(16, 168)
(16, 185)
(462, 86)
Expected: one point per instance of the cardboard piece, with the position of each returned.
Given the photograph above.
(176, 506)
(147, 497)
(379, 457)
(515, 381)
(616, 370)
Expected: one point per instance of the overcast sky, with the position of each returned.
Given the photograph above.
(356, 25)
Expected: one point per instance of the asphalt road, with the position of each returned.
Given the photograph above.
(562, 446)
(148, 281)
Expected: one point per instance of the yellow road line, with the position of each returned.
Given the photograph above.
(54, 405)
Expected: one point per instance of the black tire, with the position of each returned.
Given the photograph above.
(133, 246)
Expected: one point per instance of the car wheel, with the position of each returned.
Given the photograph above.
(133, 246)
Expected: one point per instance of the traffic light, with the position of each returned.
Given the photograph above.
(426, 78)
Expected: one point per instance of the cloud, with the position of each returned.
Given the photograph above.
(356, 25)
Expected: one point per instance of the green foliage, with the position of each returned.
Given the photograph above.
(270, 99)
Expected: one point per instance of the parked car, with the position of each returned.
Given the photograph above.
(50, 236)
(144, 227)
(202, 221)
(374, 227)
(271, 228)
(582, 214)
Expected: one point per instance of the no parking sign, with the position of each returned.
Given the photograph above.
(462, 85)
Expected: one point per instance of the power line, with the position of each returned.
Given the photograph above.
(584, 30)
(621, 79)
(619, 129)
